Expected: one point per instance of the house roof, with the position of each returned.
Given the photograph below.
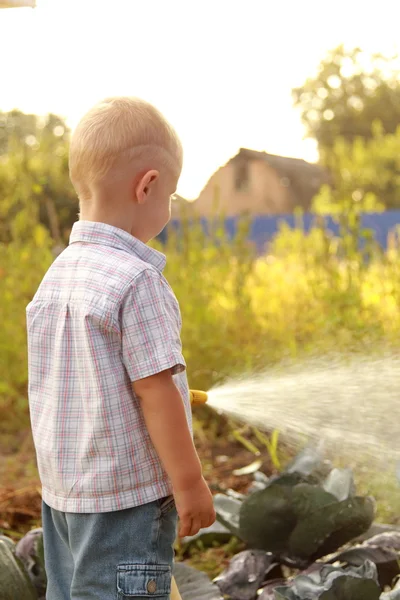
(285, 164)
(304, 179)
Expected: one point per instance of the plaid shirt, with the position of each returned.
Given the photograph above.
(103, 317)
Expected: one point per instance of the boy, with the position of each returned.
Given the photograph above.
(108, 393)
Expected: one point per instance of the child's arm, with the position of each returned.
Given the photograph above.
(152, 352)
(166, 422)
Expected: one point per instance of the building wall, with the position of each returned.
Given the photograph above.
(244, 186)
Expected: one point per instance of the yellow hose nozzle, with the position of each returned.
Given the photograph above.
(197, 397)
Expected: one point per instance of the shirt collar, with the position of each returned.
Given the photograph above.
(107, 235)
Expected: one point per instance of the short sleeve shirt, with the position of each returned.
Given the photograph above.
(103, 317)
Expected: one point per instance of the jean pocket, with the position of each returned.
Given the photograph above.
(144, 581)
(166, 504)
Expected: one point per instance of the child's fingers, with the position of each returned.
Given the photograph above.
(196, 525)
(208, 519)
(190, 526)
(185, 526)
(212, 516)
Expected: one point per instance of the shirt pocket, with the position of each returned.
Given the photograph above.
(144, 581)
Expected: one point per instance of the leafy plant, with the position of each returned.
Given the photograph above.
(331, 583)
(295, 520)
(245, 574)
(14, 580)
(296, 516)
(31, 553)
(193, 584)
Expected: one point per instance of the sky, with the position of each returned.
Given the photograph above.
(220, 70)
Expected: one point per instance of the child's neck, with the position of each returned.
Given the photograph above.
(105, 216)
(110, 215)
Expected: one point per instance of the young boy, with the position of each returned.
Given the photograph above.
(108, 393)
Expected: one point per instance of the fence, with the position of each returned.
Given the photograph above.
(264, 228)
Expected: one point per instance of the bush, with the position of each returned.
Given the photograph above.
(23, 262)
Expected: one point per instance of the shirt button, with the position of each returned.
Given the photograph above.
(151, 586)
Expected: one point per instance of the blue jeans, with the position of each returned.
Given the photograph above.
(110, 556)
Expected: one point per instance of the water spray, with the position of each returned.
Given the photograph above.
(349, 405)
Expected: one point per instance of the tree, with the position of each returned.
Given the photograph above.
(349, 93)
(365, 173)
(34, 168)
(18, 125)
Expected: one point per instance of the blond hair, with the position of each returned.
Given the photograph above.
(119, 134)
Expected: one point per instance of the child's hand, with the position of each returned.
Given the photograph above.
(166, 422)
(195, 508)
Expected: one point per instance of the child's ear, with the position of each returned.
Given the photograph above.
(145, 184)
